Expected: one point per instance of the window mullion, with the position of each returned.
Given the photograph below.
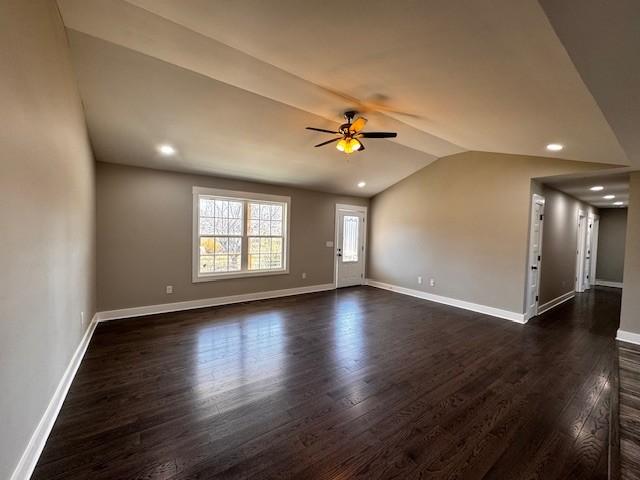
(244, 243)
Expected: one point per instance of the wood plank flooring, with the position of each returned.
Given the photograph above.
(355, 383)
(629, 356)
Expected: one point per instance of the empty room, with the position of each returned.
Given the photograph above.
(262, 239)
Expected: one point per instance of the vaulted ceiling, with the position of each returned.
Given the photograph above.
(232, 84)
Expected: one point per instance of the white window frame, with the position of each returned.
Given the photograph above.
(198, 277)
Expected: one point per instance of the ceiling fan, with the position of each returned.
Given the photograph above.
(351, 133)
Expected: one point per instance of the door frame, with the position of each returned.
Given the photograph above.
(580, 250)
(343, 207)
(594, 248)
(535, 198)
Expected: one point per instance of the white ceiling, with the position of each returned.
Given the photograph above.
(234, 83)
(579, 186)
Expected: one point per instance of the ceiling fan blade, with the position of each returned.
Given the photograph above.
(321, 130)
(361, 146)
(358, 124)
(378, 134)
(328, 141)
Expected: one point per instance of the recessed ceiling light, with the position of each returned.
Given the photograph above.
(362, 184)
(554, 147)
(609, 197)
(166, 149)
(597, 188)
(618, 203)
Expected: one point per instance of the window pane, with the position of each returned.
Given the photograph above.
(207, 226)
(254, 210)
(234, 263)
(235, 226)
(206, 264)
(266, 253)
(253, 227)
(222, 245)
(254, 262)
(264, 228)
(207, 246)
(350, 238)
(265, 245)
(221, 263)
(276, 228)
(254, 245)
(265, 262)
(265, 212)
(222, 209)
(235, 210)
(207, 207)
(276, 245)
(276, 212)
(235, 245)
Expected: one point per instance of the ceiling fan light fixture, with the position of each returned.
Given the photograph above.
(354, 145)
(348, 145)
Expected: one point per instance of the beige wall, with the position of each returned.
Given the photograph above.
(46, 218)
(144, 231)
(611, 241)
(630, 315)
(559, 242)
(464, 221)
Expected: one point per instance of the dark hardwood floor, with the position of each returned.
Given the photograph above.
(629, 438)
(357, 383)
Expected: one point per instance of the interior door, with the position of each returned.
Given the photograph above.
(587, 254)
(580, 251)
(350, 248)
(535, 255)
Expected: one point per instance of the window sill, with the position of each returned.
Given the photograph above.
(228, 276)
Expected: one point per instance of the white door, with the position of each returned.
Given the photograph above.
(350, 247)
(586, 281)
(580, 251)
(535, 255)
(594, 249)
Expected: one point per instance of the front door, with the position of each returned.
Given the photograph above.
(350, 248)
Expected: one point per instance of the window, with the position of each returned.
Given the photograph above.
(238, 234)
(350, 238)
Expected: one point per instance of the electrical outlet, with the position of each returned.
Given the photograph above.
(82, 319)
(419, 280)
(329, 244)
(304, 275)
(432, 282)
(169, 289)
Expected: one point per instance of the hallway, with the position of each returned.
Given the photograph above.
(354, 383)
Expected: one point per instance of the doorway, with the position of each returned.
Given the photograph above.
(350, 245)
(535, 254)
(581, 249)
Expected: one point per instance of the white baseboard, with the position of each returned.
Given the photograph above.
(556, 301)
(628, 337)
(31, 454)
(475, 307)
(208, 302)
(607, 283)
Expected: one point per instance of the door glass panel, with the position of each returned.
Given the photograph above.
(350, 238)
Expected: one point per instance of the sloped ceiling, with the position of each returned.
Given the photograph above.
(233, 84)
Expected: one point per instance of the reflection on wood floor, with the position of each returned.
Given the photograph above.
(629, 356)
(355, 383)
